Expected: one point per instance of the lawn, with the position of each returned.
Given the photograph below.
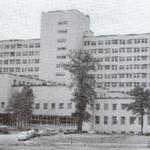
(77, 142)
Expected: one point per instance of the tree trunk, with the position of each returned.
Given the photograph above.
(80, 123)
(142, 123)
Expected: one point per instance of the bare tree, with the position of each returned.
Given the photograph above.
(21, 105)
(141, 104)
(81, 66)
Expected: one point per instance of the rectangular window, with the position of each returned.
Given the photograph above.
(19, 45)
(45, 106)
(13, 46)
(31, 46)
(105, 119)
(97, 120)
(123, 106)
(114, 120)
(148, 119)
(63, 22)
(61, 48)
(37, 106)
(61, 57)
(37, 61)
(123, 120)
(97, 106)
(25, 45)
(5, 61)
(93, 43)
(18, 53)
(105, 106)
(7, 46)
(132, 119)
(62, 31)
(114, 106)
(61, 40)
(100, 50)
(12, 53)
(37, 45)
(100, 42)
(53, 105)
(61, 105)
(86, 42)
(11, 69)
(108, 42)
(69, 105)
(60, 74)
(2, 104)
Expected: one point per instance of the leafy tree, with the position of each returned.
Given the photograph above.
(21, 105)
(141, 104)
(81, 65)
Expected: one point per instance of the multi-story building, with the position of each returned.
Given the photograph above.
(55, 108)
(123, 63)
(123, 60)
(111, 115)
(21, 57)
(61, 32)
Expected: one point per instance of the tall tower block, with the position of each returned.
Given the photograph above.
(61, 31)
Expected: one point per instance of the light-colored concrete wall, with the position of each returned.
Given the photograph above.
(94, 49)
(28, 50)
(7, 84)
(49, 95)
(76, 24)
(119, 112)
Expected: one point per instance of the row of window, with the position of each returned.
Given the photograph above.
(63, 40)
(53, 106)
(24, 53)
(62, 31)
(16, 82)
(60, 74)
(60, 65)
(61, 48)
(106, 106)
(19, 61)
(61, 57)
(64, 22)
(117, 41)
(14, 46)
(114, 120)
(18, 69)
(122, 67)
(119, 50)
(123, 58)
(34, 76)
(123, 84)
(122, 75)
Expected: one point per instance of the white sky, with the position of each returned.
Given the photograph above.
(21, 18)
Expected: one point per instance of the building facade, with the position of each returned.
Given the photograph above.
(55, 108)
(123, 63)
(111, 115)
(123, 60)
(21, 57)
(61, 32)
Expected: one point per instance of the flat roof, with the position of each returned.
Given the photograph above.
(113, 35)
(15, 40)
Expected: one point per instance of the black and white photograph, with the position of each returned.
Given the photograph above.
(74, 74)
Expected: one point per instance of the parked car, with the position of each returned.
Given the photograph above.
(26, 135)
(70, 131)
(47, 132)
(4, 129)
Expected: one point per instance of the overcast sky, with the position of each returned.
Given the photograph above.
(21, 18)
